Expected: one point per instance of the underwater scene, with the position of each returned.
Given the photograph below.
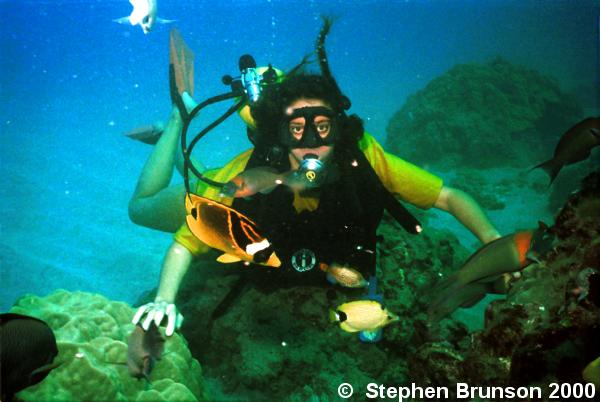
(295, 200)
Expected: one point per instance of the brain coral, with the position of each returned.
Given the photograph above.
(495, 114)
(91, 333)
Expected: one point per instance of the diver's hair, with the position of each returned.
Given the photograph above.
(343, 100)
(269, 111)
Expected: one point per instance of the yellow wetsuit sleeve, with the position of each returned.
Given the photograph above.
(403, 179)
(184, 236)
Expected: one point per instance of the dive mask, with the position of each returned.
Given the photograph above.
(318, 128)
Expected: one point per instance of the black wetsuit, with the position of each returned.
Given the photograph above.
(343, 227)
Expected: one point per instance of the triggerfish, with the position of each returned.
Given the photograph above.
(574, 146)
(27, 353)
(144, 348)
(362, 315)
(476, 277)
(225, 229)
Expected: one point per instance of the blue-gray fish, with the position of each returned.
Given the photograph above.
(144, 348)
(28, 348)
(574, 146)
(263, 180)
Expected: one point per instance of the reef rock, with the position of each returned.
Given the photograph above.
(547, 328)
(495, 114)
(274, 341)
(91, 333)
(262, 337)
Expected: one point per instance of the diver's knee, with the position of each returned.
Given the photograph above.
(135, 213)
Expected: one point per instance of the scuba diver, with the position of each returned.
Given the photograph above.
(334, 183)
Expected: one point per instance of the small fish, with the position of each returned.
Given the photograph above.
(344, 276)
(225, 229)
(574, 146)
(362, 315)
(28, 350)
(263, 180)
(591, 373)
(585, 281)
(144, 348)
(144, 15)
(476, 277)
(252, 181)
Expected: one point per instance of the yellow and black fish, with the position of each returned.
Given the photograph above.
(362, 315)
(225, 229)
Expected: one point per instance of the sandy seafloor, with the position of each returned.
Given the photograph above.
(71, 86)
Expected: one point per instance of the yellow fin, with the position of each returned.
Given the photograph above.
(348, 328)
(591, 372)
(228, 258)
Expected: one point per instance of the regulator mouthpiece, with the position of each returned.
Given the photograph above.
(311, 169)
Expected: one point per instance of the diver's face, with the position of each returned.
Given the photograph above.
(296, 129)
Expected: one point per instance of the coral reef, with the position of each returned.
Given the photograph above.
(91, 333)
(275, 342)
(548, 327)
(568, 181)
(483, 116)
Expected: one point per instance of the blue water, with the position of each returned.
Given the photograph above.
(73, 81)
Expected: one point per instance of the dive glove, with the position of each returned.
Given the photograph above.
(155, 312)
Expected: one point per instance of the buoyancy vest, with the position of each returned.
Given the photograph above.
(343, 227)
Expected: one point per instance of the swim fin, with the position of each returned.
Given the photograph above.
(181, 66)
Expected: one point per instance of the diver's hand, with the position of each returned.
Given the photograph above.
(155, 312)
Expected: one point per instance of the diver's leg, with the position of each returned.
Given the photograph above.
(154, 204)
(190, 104)
(164, 211)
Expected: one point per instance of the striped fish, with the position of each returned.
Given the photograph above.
(225, 229)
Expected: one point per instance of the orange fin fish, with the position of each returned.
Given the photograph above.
(225, 229)
(476, 277)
